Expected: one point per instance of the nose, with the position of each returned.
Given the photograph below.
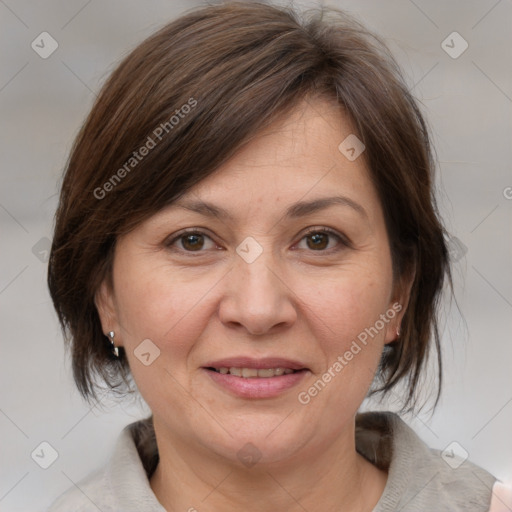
(257, 297)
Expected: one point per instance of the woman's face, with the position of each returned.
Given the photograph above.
(285, 267)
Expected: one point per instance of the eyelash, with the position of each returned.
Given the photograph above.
(311, 231)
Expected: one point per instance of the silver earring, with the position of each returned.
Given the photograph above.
(398, 332)
(115, 350)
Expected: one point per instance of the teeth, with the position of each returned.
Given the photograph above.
(254, 372)
(271, 372)
(249, 372)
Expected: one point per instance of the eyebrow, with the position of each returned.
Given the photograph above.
(297, 210)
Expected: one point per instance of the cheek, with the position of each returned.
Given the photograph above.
(172, 310)
(347, 303)
(162, 305)
(345, 319)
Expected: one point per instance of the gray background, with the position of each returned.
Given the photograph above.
(468, 101)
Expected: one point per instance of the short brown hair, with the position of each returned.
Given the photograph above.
(211, 80)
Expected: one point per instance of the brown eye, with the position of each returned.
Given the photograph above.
(318, 241)
(191, 241)
(322, 240)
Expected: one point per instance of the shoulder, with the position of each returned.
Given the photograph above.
(420, 478)
(122, 484)
(90, 494)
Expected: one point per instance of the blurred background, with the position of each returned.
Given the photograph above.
(55, 57)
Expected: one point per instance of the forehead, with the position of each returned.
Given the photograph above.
(297, 158)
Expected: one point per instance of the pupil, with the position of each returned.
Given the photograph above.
(319, 240)
(191, 242)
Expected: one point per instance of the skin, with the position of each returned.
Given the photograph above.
(197, 300)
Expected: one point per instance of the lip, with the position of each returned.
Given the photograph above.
(260, 364)
(260, 387)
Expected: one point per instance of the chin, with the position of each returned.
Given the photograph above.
(263, 442)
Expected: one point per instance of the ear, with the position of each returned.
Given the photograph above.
(399, 303)
(105, 304)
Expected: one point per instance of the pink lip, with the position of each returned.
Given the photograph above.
(258, 387)
(249, 362)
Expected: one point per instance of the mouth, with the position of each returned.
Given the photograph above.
(256, 378)
(252, 373)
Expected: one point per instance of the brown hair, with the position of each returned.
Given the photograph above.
(191, 95)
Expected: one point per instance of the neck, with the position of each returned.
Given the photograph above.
(329, 478)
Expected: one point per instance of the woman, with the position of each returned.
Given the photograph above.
(247, 228)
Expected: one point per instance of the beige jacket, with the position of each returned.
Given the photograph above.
(420, 479)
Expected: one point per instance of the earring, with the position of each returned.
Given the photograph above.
(115, 350)
(398, 332)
